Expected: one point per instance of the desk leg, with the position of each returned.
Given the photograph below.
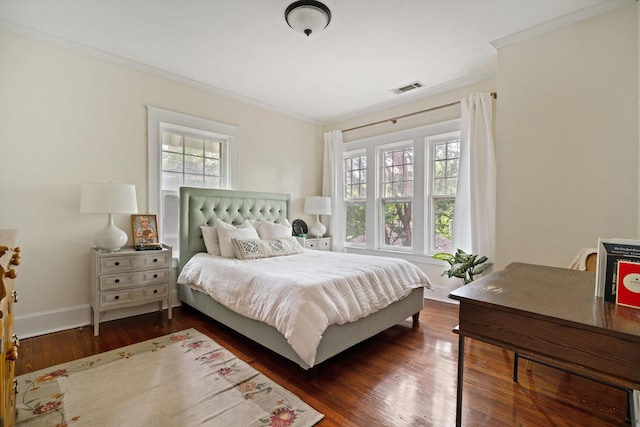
(460, 379)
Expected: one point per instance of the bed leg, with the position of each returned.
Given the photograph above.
(415, 318)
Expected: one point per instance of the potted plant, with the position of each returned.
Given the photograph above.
(463, 265)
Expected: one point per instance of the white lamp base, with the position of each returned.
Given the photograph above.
(317, 229)
(110, 238)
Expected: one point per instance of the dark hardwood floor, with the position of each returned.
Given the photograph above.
(402, 377)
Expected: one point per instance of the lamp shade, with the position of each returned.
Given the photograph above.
(307, 16)
(108, 198)
(316, 205)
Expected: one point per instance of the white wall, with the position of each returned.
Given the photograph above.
(67, 118)
(567, 141)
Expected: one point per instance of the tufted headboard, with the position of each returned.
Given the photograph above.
(202, 206)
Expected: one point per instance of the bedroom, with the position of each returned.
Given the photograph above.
(69, 117)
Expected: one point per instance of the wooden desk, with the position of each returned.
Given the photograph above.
(551, 315)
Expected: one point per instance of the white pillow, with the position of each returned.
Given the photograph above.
(272, 231)
(210, 236)
(226, 232)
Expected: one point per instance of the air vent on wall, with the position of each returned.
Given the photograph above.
(407, 88)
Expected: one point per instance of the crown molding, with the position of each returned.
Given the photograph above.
(570, 18)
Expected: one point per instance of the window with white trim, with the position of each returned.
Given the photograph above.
(400, 190)
(186, 151)
(355, 197)
(445, 160)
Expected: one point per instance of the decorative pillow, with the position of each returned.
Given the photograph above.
(292, 243)
(226, 232)
(210, 236)
(252, 248)
(271, 230)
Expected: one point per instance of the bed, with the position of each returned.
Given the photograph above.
(203, 207)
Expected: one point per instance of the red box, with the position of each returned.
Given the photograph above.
(628, 292)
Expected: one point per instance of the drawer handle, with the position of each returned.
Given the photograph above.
(117, 280)
(155, 276)
(116, 297)
(16, 340)
(155, 260)
(13, 354)
(16, 388)
(117, 263)
(155, 291)
(14, 295)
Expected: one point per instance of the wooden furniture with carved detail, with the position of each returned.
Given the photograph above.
(129, 278)
(9, 259)
(551, 315)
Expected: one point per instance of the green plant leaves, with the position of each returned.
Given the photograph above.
(463, 265)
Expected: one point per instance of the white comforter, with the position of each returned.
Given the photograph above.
(301, 295)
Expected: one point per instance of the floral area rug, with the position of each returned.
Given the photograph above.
(182, 379)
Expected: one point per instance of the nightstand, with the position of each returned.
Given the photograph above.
(128, 278)
(321, 244)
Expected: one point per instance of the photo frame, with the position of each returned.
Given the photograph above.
(144, 231)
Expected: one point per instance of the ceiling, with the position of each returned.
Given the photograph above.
(244, 48)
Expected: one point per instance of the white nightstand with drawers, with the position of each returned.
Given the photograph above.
(129, 278)
(321, 244)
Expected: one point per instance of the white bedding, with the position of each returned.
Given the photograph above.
(301, 295)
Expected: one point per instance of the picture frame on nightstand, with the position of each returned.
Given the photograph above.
(144, 231)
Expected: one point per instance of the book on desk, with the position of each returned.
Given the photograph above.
(610, 253)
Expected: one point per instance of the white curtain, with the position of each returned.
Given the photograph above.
(332, 186)
(475, 208)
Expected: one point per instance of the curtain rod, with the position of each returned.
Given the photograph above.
(393, 120)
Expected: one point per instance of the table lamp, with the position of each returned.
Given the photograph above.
(316, 205)
(111, 199)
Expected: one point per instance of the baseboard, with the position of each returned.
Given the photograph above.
(46, 322)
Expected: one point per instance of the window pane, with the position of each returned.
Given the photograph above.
(452, 167)
(212, 167)
(355, 177)
(193, 164)
(398, 173)
(398, 224)
(194, 146)
(171, 142)
(212, 181)
(212, 149)
(445, 167)
(356, 214)
(193, 180)
(443, 224)
(171, 181)
(440, 169)
(172, 162)
(170, 206)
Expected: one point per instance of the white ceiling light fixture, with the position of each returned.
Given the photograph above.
(307, 16)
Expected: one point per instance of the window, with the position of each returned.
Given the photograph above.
(400, 190)
(355, 179)
(445, 152)
(397, 195)
(186, 151)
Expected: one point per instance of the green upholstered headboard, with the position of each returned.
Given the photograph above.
(202, 206)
